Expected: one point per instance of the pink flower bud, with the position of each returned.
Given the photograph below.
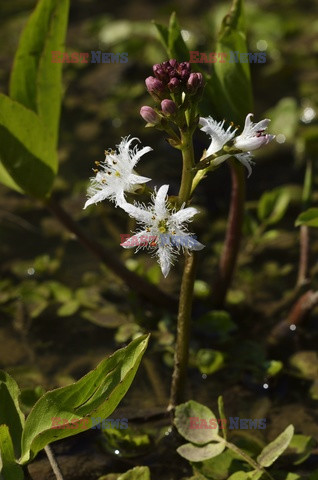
(173, 63)
(168, 107)
(149, 115)
(174, 84)
(195, 82)
(154, 85)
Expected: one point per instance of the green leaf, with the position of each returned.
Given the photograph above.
(229, 88)
(254, 475)
(285, 118)
(199, 454)
(35, 79)
(273, 367)
(274, 449)
(137, 473)
(25, 150)
(172, 40)
(200, 430)
(218, 322)
(68, 308)
(302, 446)
(306, 362)
(9, 469)
(7, 180)
(10, 413)
(209, 361)
(96, 394)
(273, 205)
(309, 218)
(220, 467)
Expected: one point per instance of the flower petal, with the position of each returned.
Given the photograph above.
(136, 240)
(136, 179)
(160, 201)
(245, 159)
(219, 136)
(99, 196)
(184, 215)
(193, 244)
(165, 260)
(138, 213)
(138, 154)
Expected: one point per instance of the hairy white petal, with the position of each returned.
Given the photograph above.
(219, 136)
(165, 260)
(245, 159)
(184, 215)
(137, 212)
(136, 179)
(160, 201)
(137, 240)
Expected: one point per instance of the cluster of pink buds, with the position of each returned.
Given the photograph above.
(171, 79)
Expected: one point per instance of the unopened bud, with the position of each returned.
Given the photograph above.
(195, 82)
(149, 115)
(154, 85)
(174, 84)
(168, 107)
(185, 66)
(160, 73)
(173, 63)
(184, 75)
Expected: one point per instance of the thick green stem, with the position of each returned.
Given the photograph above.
(188, 164)
(183, 332)
(233, 235)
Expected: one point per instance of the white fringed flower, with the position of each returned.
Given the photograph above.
(219, 136)
(116, 175)
(163, 230)
(253, 135)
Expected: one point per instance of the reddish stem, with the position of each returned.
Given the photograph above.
(233, 235)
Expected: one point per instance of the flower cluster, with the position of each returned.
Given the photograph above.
(171, 79)
(174, 77)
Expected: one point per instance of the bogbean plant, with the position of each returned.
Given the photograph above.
(29, 121)
(176, 92)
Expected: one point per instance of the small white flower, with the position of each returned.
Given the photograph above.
(219, 136)
(116, 174)
(163, 231)
(253, 135)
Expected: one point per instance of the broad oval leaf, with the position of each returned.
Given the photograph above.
(309, 218)
(96, 394)
(274, 449)
(194, 453)
(195, 422)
